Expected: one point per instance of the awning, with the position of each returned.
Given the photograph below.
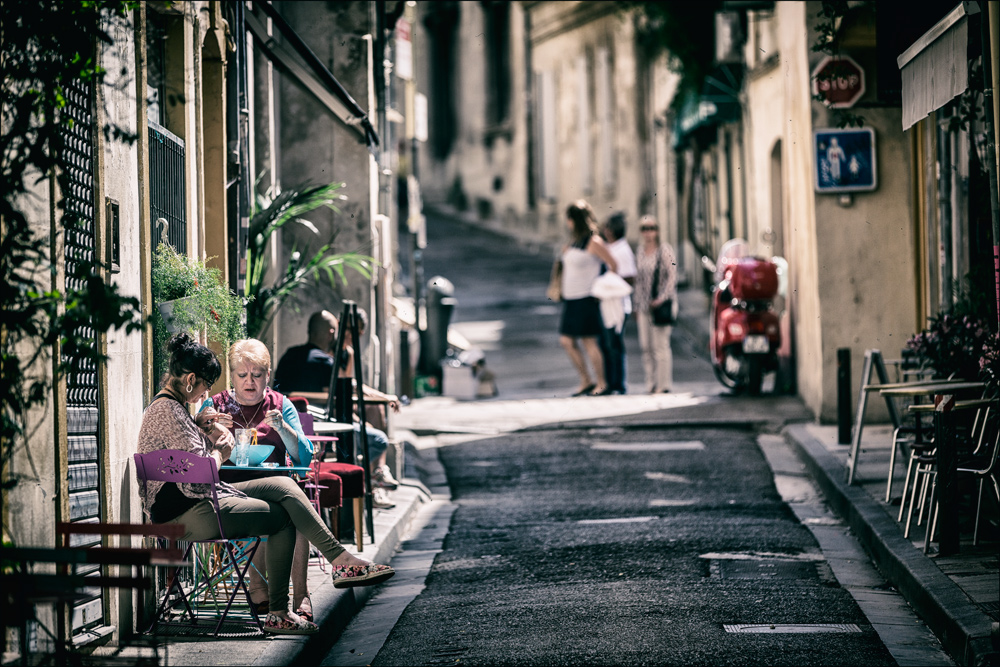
(935, 69)
(718, 102)
(302, 64)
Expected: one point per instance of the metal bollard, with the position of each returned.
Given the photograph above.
(844, 395)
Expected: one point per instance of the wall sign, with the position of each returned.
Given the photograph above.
(845, 160)
(839, 81)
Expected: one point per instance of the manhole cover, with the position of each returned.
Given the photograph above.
(628, 519)
(692, 445)
(763, 569)
(790, 628)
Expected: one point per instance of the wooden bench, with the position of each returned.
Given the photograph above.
(61, 584)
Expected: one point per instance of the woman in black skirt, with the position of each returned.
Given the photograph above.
(581, 324)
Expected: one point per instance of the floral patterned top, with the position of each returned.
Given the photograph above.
(166, 424)
(646, 262)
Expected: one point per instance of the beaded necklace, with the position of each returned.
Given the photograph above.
(246, 422)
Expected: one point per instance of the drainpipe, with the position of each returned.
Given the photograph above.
(727, 148)
(944, 141)
(991, 82)
(529, 110)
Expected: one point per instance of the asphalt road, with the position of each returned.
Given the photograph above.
(635, 537)
(610, 546)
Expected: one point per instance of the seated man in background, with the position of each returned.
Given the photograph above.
(307, 368)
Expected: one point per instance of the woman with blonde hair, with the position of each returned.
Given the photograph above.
(251, 404)
(656, 281)
(582, 259)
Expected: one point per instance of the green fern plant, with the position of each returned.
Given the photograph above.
(201, 301)
(271, 212)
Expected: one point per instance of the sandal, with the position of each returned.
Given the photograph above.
(347, 576)
(305, 612)
(290, 625)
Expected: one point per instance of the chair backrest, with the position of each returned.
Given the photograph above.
(176, 465)
(181, 467)
(306, 420)
(301, 403)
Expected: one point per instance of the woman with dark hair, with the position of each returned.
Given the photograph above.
(271, 506)
(581, 323)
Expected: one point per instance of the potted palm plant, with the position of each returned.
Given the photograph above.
(271, 212)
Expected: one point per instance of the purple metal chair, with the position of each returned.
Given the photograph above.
(175, 465)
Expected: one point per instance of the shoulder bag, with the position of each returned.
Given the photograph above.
(663, 314)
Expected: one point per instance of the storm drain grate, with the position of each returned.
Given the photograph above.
(791, 628)
(763, 569)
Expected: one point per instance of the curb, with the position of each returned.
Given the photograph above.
(963, 630)
(335, 608)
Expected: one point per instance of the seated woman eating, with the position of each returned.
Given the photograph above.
(271, 506)
(250, 404)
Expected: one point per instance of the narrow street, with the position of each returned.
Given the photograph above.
(616, 530)
(611, 546)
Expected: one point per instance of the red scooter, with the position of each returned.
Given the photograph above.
(745, 333)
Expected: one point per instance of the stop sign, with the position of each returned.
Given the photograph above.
(839, 81)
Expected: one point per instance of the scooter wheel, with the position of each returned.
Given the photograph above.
(727, 381)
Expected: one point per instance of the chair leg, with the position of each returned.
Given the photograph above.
(924, 487)
(333, 519)
(892, 466)
(932, 516)
(241, 584)
(359, 523)
(979, 505)
(913, 500)
(174, 582)
(906, 487)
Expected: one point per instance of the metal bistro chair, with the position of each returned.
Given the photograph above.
(981, 464)
(341, 480)
(179, 466)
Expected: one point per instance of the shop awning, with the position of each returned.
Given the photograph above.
(301, 63)
(718, 102)
(935, 69)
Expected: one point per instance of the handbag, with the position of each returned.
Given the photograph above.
(663, 314)
(554, 290)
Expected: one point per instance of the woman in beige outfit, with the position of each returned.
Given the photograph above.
(654, 340)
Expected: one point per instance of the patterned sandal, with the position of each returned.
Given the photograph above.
(304, 610)
(290, 625)
(348, 576)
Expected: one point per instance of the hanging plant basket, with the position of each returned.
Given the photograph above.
(170, 311)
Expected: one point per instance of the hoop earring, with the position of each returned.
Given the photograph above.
(188, 389)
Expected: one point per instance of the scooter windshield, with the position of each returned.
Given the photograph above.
(731, 250)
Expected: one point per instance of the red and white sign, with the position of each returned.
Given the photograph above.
(839, 80)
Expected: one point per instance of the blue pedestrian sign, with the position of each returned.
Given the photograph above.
(845, 160)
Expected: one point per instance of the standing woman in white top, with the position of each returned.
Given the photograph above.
(581, 322)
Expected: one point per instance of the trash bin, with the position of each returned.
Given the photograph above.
(434, 339)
